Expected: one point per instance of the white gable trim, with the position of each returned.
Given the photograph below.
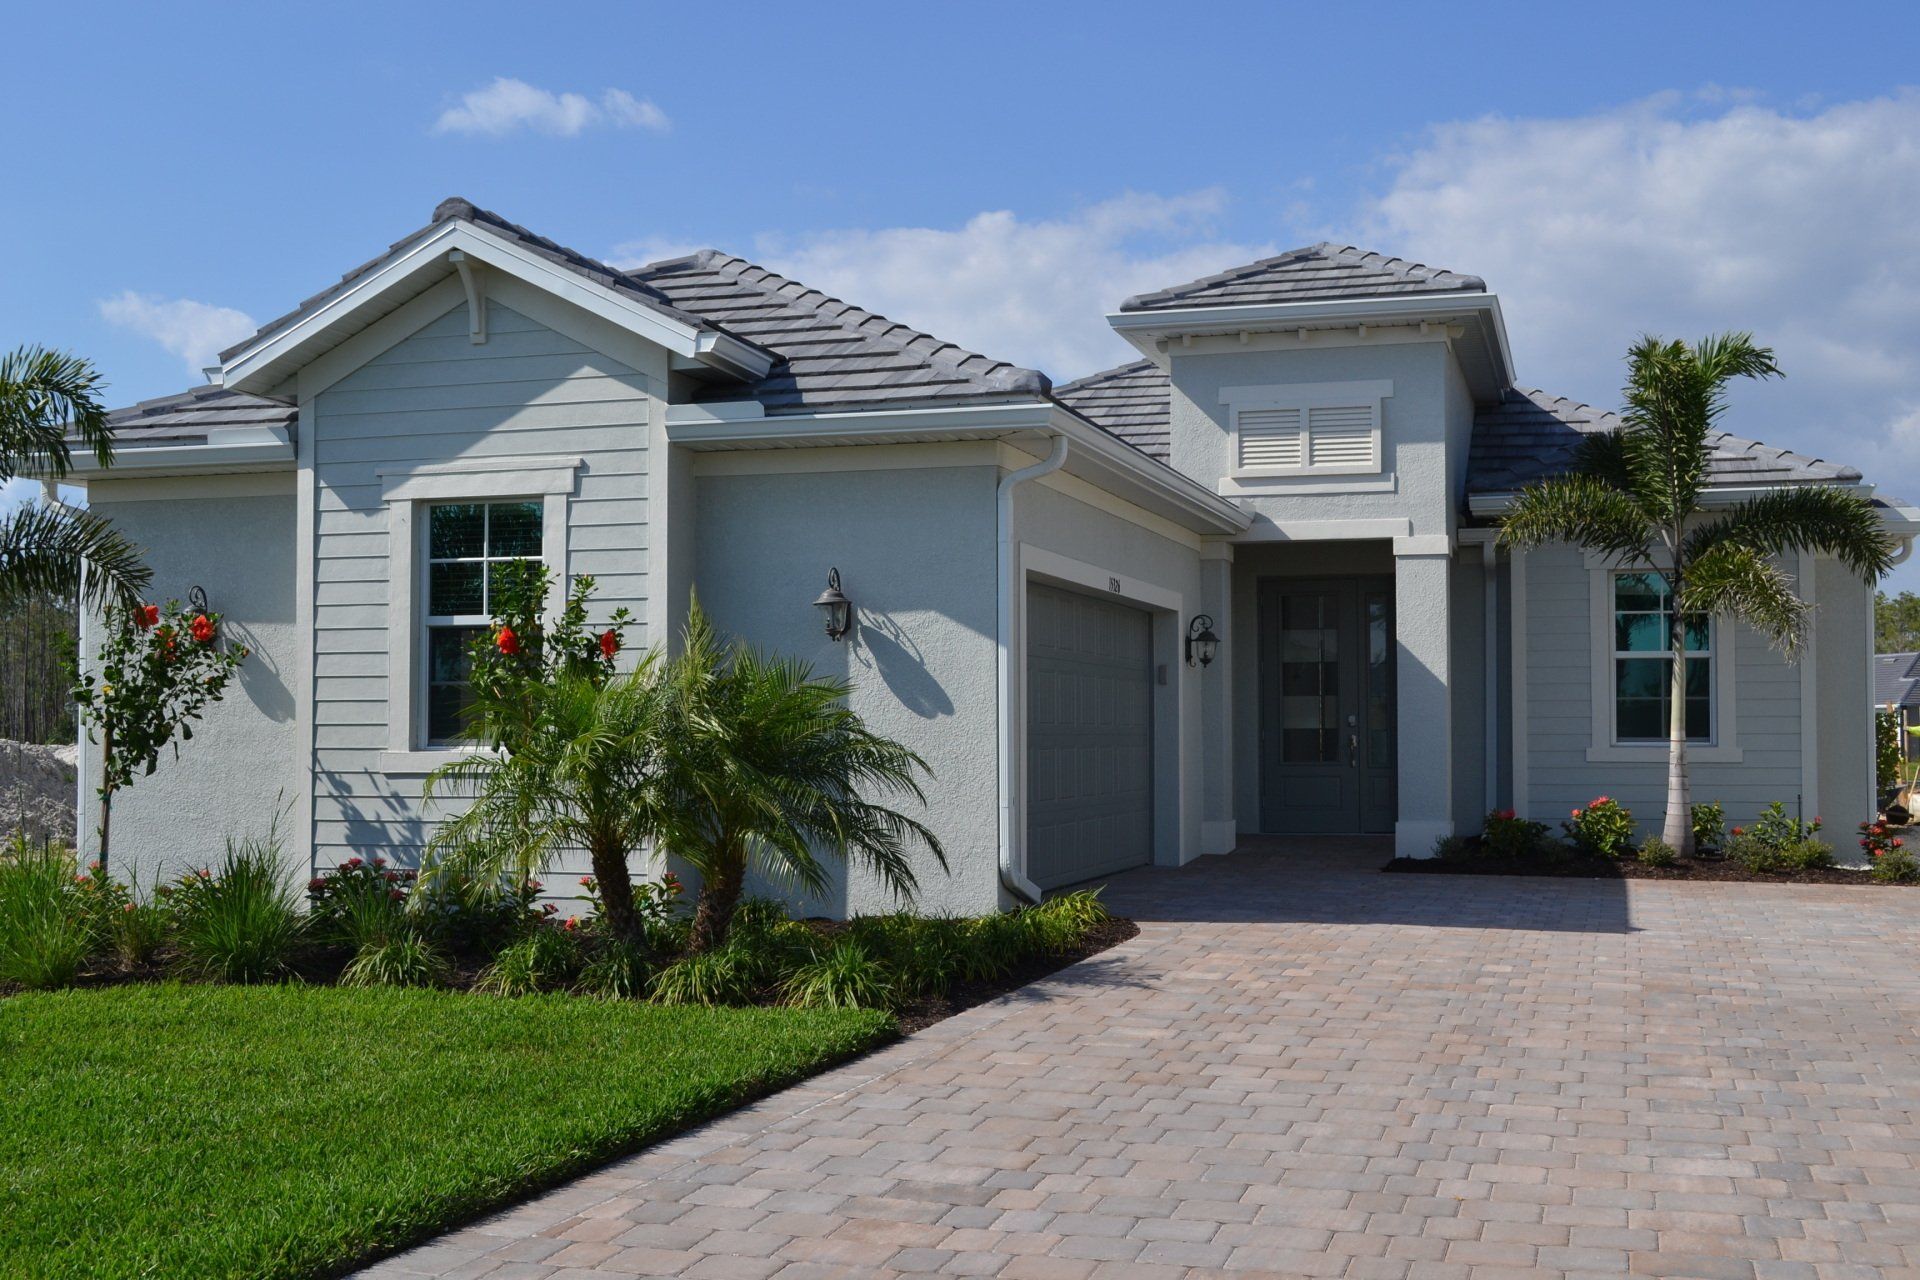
(266, 361)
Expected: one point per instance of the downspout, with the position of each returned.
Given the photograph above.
(1491, 695)
(1012, 879)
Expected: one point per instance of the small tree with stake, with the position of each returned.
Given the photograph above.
(157, 671)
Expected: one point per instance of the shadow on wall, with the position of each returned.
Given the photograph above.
(261, 678)
(388, 825)
(893, 654)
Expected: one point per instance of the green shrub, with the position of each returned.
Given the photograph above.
(1655, 852)
(844, 976)
(1807, 855)
(1774, 827)
(547, 959)
(241, 923)
(1896, 866)
(139, 931)
(1603, 828)
(1060, 924)
(1764, 857)
(1451, 846)
(726, 975)
(399, 959)
(932, 957)
(1709, 825)
(1506, 835)
(617, 970)
(357, 903)
(1081, 909)
(45, 935)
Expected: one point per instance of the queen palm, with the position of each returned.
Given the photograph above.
(1635, 496)
(48, 399)
(765, 767)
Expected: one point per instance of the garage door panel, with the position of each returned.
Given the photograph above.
(1089, 733)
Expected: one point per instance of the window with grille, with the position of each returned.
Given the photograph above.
(468, 543)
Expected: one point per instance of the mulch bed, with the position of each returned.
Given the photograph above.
(924, 1013)
(1577, 866)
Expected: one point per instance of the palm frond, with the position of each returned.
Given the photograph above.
(1732, 580)
(1675, 394)
(45, 548)
(1580, 509)
(44, 395)
(1821, 518)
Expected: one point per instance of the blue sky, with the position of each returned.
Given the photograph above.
(1000, 173)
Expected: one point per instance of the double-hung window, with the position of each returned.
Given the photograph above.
(468, 544)
(1643, 663)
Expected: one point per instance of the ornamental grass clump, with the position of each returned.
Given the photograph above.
(402, 958)
(45, 936)
(1603, 828)
(846, 975)
(728, 975)
(240, 922)
(548, 958)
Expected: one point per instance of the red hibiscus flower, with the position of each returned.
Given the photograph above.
(146, 615)
(202, 628)
(609, 643)
(507, 642)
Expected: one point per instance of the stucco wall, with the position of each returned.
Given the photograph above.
(915, 550)
(435, 397)
(243, 767)
(1842, 665)
(1415, 426)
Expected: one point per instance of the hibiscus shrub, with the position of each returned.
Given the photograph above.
(520, 649)
(1892, 861)
(1505, 834)
(1603, 828)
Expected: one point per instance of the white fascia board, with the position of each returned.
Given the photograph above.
(226, 449)
(1093, 453)
(259, 365)
(1144, 328)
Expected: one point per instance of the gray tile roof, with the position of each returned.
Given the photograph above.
(186, 418)
(1530, 435)
(1318, 273)
(831, 353)
(465, 210)
(1130, 402)
(1896, 680)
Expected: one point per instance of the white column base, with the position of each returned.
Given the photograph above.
(1219, 837)
(1415, 837)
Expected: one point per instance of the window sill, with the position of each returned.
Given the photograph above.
(1371, 480)
(1656, 753)
(420, 763)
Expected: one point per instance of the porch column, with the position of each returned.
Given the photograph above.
(1218, 833)
(1422, 574)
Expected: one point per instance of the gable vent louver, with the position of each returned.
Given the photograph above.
(1271, 438)
(1341, 436)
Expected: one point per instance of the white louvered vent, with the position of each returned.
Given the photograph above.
(1340, 436)
(1270, 438)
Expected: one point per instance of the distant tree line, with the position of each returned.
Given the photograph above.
(36, 668)
(1896, 623)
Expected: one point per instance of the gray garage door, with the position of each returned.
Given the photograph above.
(1089, 737)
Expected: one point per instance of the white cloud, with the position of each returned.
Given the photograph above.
(1031, 291)
(1682, 217)
(509, 106)
(195, 331)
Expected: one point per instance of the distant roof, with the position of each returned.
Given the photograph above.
(186, 417)
(1130, 402)
(1896, 680)
(1530, 435)
(1318, 273)
(831, 353)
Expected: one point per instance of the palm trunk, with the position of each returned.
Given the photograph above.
(720, 888)
(1678, 831)
(106, 793)
(616, 889)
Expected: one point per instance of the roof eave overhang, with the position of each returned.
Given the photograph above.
(1092, 454)
(1150, 331)
(225, 450)
(1899, 518)
(410, 269)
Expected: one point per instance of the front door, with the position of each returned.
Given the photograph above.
(1327, 747)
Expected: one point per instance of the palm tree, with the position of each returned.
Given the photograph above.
(579, 775)
(765, 766)
(1634, 495)
(50, 549)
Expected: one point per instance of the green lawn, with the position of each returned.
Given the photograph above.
(285, 1131)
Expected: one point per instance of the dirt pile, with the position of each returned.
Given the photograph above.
(37, 790)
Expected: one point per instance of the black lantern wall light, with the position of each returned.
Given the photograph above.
(836, 607)
(1202, 644)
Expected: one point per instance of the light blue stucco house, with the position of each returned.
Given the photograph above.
(1305, 463)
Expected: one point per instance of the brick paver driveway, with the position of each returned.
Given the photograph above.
(1303, 1068)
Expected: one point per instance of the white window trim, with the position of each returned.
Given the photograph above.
(405, 490)
(1305, 396)
(1606, 748)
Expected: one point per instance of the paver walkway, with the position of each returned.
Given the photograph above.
(1303, 1068)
